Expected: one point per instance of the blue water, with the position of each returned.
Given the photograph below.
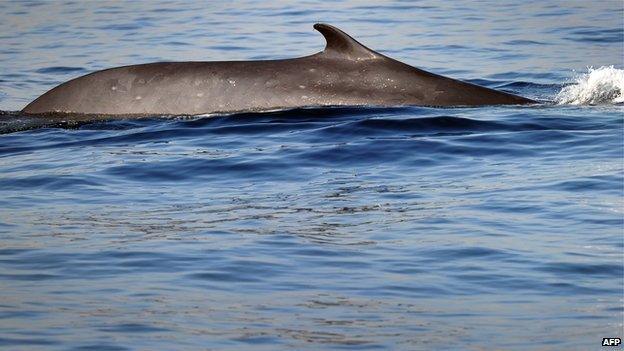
(344, 228)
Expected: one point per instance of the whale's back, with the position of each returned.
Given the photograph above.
(344, 73)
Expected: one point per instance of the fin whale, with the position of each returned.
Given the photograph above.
(345, 73)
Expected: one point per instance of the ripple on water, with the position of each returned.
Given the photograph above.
(335, 228)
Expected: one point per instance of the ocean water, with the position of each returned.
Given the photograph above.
(404, 228)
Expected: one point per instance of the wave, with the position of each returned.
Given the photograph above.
(604, 85)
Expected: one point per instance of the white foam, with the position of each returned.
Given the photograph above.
(604, 85)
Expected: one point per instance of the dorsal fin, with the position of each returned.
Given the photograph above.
(340, 44)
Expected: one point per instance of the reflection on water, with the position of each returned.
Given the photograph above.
(343, 228)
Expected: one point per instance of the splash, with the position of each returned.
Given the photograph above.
(604, 85)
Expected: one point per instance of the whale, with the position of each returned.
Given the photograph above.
(345, 73)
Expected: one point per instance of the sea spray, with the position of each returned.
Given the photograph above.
(604, 85)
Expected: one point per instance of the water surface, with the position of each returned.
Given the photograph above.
(345, 228)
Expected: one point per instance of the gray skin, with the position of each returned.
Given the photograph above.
(346, 73)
